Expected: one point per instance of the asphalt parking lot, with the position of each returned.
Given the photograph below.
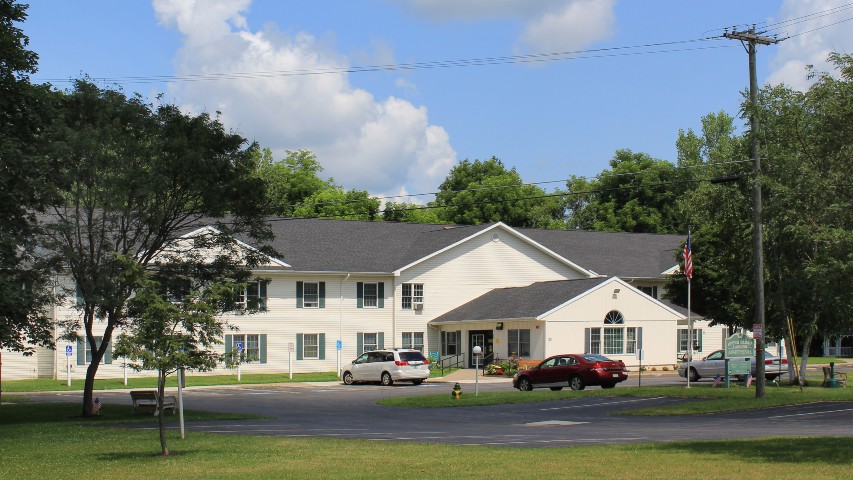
(334, 410)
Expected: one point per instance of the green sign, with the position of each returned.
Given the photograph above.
(739, 366)
(739, 346)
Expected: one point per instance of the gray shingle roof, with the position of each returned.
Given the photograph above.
(519, 302)
(326, 245)
(618, 254)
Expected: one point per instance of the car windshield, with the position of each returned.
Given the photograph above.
(412, 356)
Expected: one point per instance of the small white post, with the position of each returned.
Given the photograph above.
(477, 351)
(124, 368)
(181, 399)
(68, 369)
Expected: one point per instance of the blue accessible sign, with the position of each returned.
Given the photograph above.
(239, 347)
(69, 350)
(339, 345)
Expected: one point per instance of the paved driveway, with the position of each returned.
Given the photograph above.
(340, 411)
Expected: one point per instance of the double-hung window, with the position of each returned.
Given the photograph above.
(310, 294)
(450, 342)
(251, 347)
(84, 351)
(683, 341)
(371, 342)
(412, 295)
(311, 345)
(413, 340)
(614, 338)
(519, 342)
(253, 295)
(370, 294)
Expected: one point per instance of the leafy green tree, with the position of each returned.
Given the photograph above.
(291, 181)
(410, 213)
(336, 202)
(485, 191)
(637, 194)
(27, 187)
(176, 320)
(138, 179)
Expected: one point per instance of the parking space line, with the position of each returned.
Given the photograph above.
(812, 413)
(600, 404)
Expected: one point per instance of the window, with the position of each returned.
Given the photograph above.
(253, 295)
(370, 294)
(650, 291)
(413, 340)
(84, 352)
(614, 338)
(413, 294)
(310, 345)
(519, 342)
(254, 348)
(310, 294)
(371, 342)
(682, 339)
(450, 342)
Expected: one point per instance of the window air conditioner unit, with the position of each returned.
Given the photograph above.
(418, 306)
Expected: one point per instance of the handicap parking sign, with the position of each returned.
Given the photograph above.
(240, 347)
(69, 350)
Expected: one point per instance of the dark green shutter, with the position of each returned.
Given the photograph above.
(587, 340)
(108, 355)
(263, 345)
(443, 343)
(639, 338)
(299, 346)
(360, 343)
(322, 346)
(262, 301)
(381, 294)
(229, 346)
(700, 339)
(299, 289)
(322, 292)
(78, 295)
(81, 351)
(359, 293)
(381, 340)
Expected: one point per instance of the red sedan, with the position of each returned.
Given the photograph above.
(573, 370)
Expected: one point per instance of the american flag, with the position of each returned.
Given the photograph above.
(688, 259)
(717, 381)
(749, 380)
(96, 407)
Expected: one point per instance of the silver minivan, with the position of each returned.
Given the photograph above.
(387, 367)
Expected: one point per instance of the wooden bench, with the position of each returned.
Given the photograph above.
(146, 401)
(840, 377)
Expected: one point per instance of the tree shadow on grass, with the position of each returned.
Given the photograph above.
(820, 450)
(149, 454)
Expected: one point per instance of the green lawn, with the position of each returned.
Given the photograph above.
(47, 442)
(713, 400)
(49, 385)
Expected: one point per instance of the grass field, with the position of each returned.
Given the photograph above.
(46, 441)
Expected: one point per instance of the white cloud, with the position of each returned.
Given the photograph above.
(548, 25)
(793, 54)
(381, 145)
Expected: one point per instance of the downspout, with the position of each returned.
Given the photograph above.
(394, 311)
(341, 320)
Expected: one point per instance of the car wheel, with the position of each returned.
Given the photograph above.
(576, 383)
(771, 377)
(556, 389)
(694, 375)
(386, 379)
(417, 382)
(348, 378)
(524, 384)
(608, 385)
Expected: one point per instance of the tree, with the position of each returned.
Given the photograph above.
(637, 194)
(27, 180)
(336, 202)
(485, 191)
(137, 180)
(410, 213)
(175, 320)
(291, 181)
(806, 146)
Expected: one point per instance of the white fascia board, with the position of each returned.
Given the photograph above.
(488, 320)
(675, 269)
(323, 273)
(506, 228)
(210, 229)
(605, 284)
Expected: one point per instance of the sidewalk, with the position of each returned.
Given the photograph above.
(467, 375)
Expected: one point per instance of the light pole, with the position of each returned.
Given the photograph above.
(477, 351)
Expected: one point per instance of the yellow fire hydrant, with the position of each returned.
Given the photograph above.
(457, 392)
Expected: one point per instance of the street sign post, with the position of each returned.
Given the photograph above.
(239, 359)
(69, 351)
(290, 350)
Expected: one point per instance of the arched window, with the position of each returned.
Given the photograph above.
(613, 317)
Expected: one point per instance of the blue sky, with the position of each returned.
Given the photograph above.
(400, 131)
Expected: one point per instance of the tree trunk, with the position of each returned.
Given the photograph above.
(98, 354)
(804, 355)
(161, 420)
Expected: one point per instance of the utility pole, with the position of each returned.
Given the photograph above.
(750, 38)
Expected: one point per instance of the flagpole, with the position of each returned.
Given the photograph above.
(688, 271)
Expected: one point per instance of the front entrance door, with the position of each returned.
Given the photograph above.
(483, 339)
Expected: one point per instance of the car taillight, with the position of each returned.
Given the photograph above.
(401, 363)
(596, 366)
(784, 361)
(768, 362)
(426, 361)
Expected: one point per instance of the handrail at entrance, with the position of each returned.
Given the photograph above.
(451, 361)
